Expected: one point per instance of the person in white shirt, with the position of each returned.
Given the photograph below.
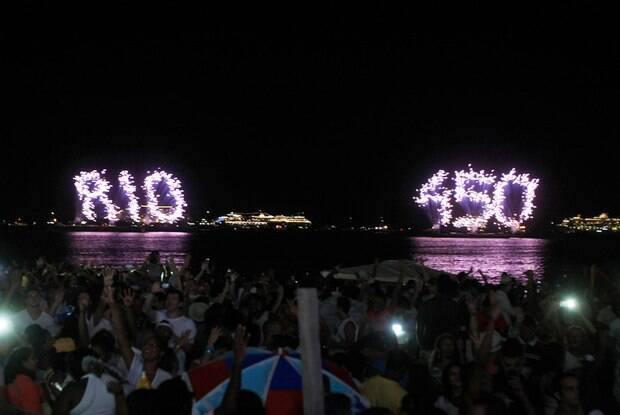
(34, 314)
(143, 369)
(181, 325)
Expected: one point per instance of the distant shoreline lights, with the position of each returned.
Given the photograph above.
(477, 198)
(94, 188)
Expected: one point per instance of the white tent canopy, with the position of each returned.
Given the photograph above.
(387, 271)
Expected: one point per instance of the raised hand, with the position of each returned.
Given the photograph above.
(187, 261)
(108, 295)
(128, 296)
(214, 335)
(83, 302)
(240, 343)
(184, 339)
(108, 276)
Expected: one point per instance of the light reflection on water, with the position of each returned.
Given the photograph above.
(492, 256)
(125, 248)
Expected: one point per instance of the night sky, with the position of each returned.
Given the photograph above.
(330, 120)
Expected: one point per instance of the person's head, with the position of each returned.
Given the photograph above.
(83, 297)
(445, 285)
(37, 337)
(174, 300)
(452, 377)
(143, 402)
(344, 305)
(21, 361)
(33, 297)
(152, 348)
(103, 344)
(488, 406)
(576, 339)
(568, 389)
(174, 398)
(153, 257)
(271, 329)
(159, 301)
(250, 403)
(337, 404)
(431, 286)
(396, 365)
(527, 330)
(512, 357)
(446, 346)
(164, 332)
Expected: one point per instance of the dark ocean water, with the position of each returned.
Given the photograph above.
(314, 250)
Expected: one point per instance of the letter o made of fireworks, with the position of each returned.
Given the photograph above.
(174, 190)
(92, 186)
(529, 187)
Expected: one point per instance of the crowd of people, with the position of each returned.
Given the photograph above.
(79, 339)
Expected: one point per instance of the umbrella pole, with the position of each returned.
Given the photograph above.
(309, 334)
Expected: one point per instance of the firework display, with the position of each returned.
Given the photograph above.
(165, 200)
(480, 199)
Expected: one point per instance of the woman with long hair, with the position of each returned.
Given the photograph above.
(20, 375)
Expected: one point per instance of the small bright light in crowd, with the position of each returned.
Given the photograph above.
(6, 325)
(569, 303)
(398, 329)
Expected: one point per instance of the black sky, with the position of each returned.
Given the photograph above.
(326, 119)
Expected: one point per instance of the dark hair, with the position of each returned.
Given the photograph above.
(397, 361)
(445, 380)
(175, 291)
(337, 404)
(557, 385)
(153, 257)
(250, 403)
(143, 402)
(173, 397)
(344, 304)
(105, 340)
(15, 364)
(512, 348)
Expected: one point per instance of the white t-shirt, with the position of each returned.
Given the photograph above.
(22, 320)
(135, 372)
(104, 324)
(341, 334)
(179, 325)
(97, 400)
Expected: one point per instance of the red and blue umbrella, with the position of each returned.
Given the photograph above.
(274, 377)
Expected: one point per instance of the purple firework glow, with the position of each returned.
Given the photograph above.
(473, 192)
(480, 198)
(174, 191)
(93, 188)
(435, 197)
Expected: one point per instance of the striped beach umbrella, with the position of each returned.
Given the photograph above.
(274, 377)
